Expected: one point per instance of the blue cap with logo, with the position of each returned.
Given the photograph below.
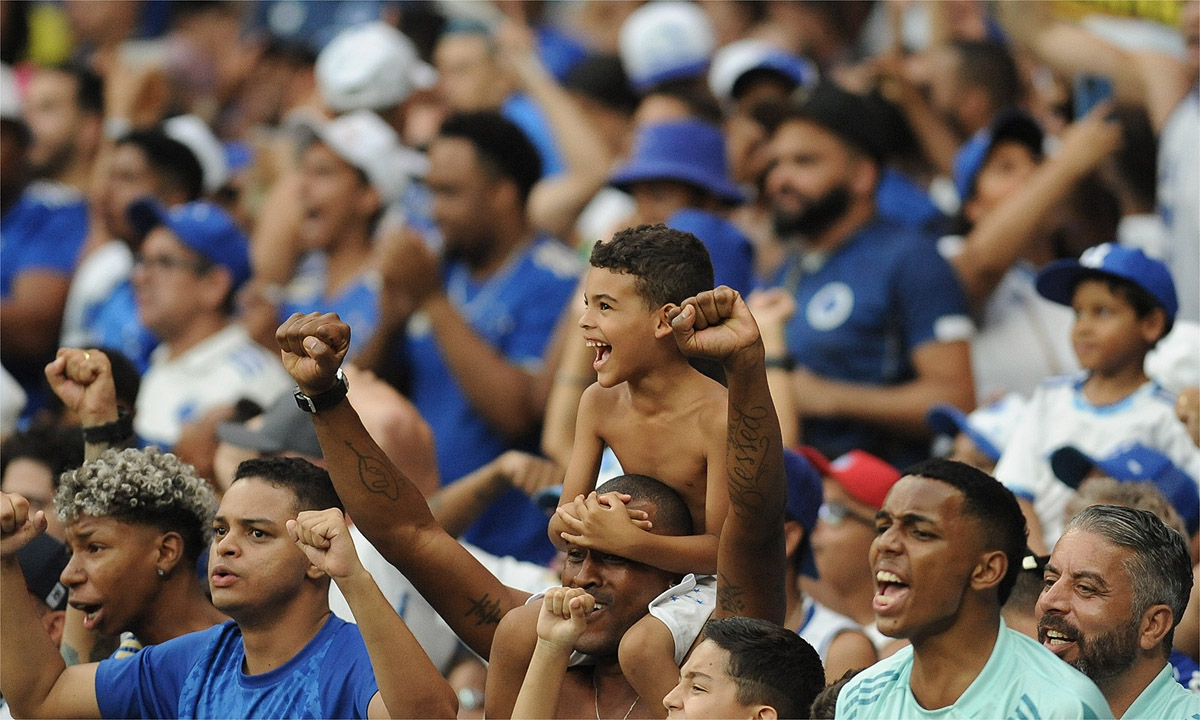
(688, 151)
(1057, 280)
(201, 226)
(1134, 462)
(804, 496)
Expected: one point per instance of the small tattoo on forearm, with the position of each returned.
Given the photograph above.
(485, 610)
(729, 596)
(374, 474)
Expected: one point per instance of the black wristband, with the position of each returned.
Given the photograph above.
(780, 362)
(325, 400)
(111, 433)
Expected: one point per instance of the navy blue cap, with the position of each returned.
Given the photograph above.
(202, 227)
(804, 496)
(1134, 463)
(42, 562)
(1057, 280)
(688, 151)
(1008, 126)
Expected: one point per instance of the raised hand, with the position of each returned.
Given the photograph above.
(564, 616)
(83, 380)
(313, 347)
(528, 473)
(716, 325)
(17, 526)
(325, 540)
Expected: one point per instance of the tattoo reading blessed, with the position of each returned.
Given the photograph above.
(374, 475)
(748, 446)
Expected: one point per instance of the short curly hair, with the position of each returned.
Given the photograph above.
(142, 487)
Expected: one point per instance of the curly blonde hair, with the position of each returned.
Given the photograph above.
(141, 487)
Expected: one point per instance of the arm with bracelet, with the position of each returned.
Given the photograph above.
(83, 380)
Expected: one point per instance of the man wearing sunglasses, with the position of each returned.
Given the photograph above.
(855, 485)
(192, 260)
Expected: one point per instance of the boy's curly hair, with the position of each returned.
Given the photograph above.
(141, 487)
(668, 266)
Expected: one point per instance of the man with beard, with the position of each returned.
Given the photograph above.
(1117, 583)
(473, 332)
(880, 333)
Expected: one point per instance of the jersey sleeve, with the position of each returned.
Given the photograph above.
(931, 302)
(148, 684)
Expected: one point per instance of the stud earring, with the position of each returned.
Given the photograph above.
(162, 573)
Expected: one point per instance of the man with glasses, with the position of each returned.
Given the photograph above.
(192, 260)
(855, 485)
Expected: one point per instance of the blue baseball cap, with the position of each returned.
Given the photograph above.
(989, 426)
(688, 151)
(202, 227)
(804, 496)
(1008, 126)
(1134, 462)
(1057, 280)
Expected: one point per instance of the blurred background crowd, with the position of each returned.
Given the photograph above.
(438, 172)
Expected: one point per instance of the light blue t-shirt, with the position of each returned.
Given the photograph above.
(1021, 680)
(1164, 698)
(199, 675)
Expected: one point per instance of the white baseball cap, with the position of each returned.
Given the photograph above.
(364, 140)
(199, 138)
(737, 58)
(10, 96)
(663, 41)
(371, 66)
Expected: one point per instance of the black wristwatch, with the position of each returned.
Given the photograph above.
(780, 362)
(325, 400)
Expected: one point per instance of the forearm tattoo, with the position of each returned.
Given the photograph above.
(729, 596)
(485, 610)
(374, 475)
(748, 445)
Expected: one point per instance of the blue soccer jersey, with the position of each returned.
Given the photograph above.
(515, 311)
(861, 311)
(199, 675)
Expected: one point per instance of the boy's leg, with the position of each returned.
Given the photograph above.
(647, 656)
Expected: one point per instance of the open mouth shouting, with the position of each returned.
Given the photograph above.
(1056, 635)
(93, 613)
(603, 350)
(890, 592)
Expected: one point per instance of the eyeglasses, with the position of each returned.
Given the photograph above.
(166, 262)
(835, 513)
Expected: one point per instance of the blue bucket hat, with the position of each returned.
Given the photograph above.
(1056, 282)
(1134, 462)
(202, 227)
(804, 496)
(686, 151)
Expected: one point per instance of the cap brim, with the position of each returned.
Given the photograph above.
(237, 434)
(1057, 281)
(144, 215)
(1070, 466)
(946, 420)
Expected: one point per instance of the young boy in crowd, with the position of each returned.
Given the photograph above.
(1124, 303)
(646, 405)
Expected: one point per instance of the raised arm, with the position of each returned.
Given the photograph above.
(410, 686)
(750, 559)
(83, 380)
(33, 678)
(562, 620)
(386, 506)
